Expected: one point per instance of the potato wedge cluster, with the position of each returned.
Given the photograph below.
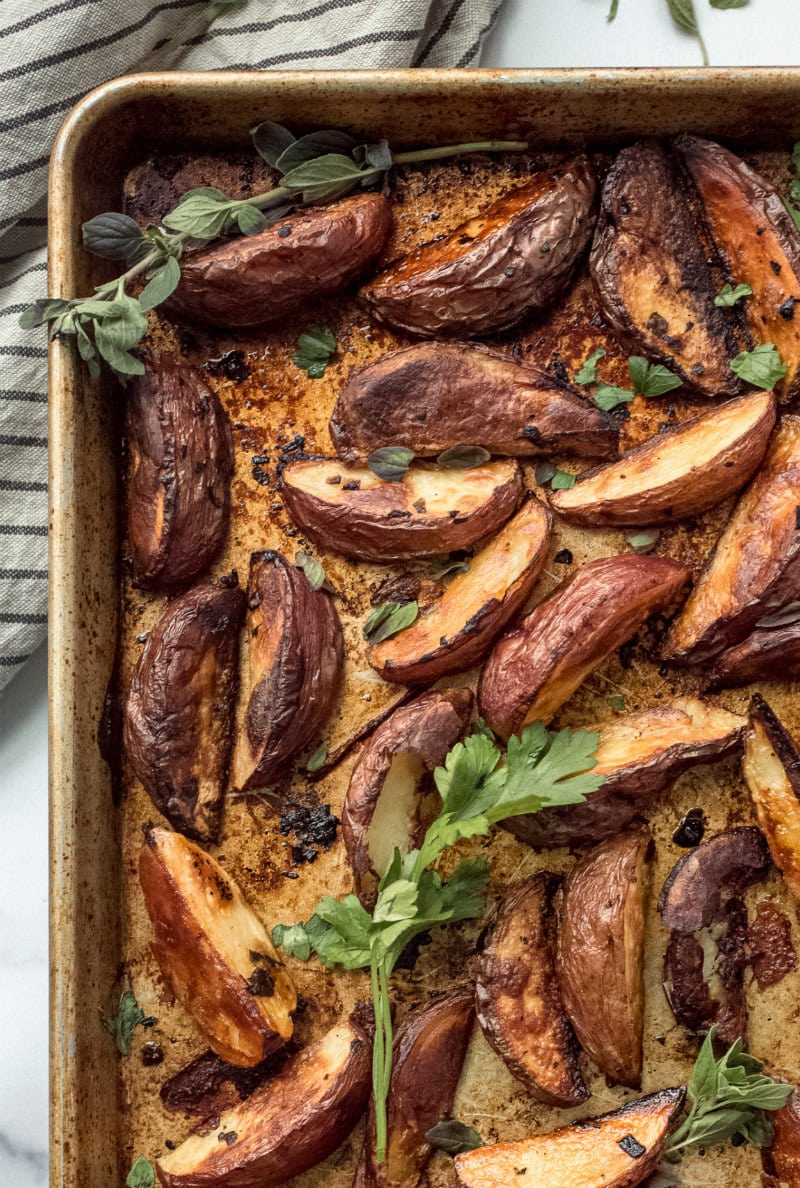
(339, 576)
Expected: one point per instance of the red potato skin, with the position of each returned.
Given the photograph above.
(782, 1160)
(493, 269)
(428, 1055)
(289, 705)
(429, 727)
(255, 279)
(180, 452)
(178, 726)
(768, 654)
(537, 665)
(436, 395)
(652, 277)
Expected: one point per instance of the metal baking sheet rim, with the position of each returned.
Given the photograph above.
(85, 1126)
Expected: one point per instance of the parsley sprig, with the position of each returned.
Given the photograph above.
(478, 788)
(316, 168)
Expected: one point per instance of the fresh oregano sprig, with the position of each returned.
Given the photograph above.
(478, 788)
(684, 15)
(317, 168)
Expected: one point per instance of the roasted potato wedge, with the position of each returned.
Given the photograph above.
(214, 951)
(767, 654)
(600, 960)
(382, 809)
(429, 1051)
(517, 996)
(539, 663)
(429, 512)
(253, 279)
(654, 283)
(436, 395)
(755, 566)
(593, 1153)
(295, 670)
(179, 712)
(758, 242)
(639, 756)
(513, 257)
(783, 1157)
(287, 1126)
(772, 770)
(701, 903)
(457, 630)
(208, 1085)
(180, 462)
(677, 474)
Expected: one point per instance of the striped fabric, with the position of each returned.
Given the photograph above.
(51, 54)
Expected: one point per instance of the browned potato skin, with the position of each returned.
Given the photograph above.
(180, 453)
(768, 654)
(758, 242)
(421, 654)
(784, 1154)
(683, 735)
(755, 566)
(296, 666)
(426, 729)
(286, 1127)
(515, 256)
(537, 665)
(254, 279)
(772, 771)
(650, 269)
(586, 1153)
(705, 460)
(435, 395)
(428, 1054)
(382, 521)
(600, 960)
(241, 1027)
(517, 997)
(179, 713)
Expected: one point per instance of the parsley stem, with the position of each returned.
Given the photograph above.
(454, 150)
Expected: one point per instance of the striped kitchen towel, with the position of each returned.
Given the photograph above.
(51, 53)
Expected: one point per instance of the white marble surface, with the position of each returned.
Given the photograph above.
(528, 33)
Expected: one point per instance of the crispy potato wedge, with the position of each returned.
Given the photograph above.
(538, 664)
(767, 654)
(677, 474)
(755, 566)
(771, 768)
(295, 670)
(639, 756)
(600, 962)
(429, 1050)
(180, 463)
(592, 1153)
(208, 1085)
(517, 996)
(253, 279)
(214, 951)
(783, 1156)
(758, 242)
(654, 283)
(436, 395)
(383, 806)
(701, 903)
(179, 712)
(429, 512)
(513, 257)
(457, 630)
(287, 1126)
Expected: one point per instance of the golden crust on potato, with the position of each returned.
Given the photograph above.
(772, 770)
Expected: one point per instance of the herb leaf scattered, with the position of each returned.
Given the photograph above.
(651, 379)
(311, 568)
(644, 540)
(728, 296)
(315, 349)
(316, 760)
(391, 463)
(129, 1016)
(463, 457)
(587, 374)
(453, 1137)
(562, 480)
(141, 1175)
(388, 619)
(607, 396)
(762, 367)
(685, 17)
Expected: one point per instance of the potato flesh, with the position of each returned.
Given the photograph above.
(586, 1155)
(394, 820)
(776, 801)
(634, 739)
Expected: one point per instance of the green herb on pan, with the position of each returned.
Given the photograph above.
(651, 379)
(316, 761)
(311, 568)
(463, 457)
(315, 349)
(391, 463)
(542, 768)
(449, 568)
(587, 374)
(607, 396)
(141, 1175)
(618, 703)
(643, 540)
(562, 480)
(548, 474)
(453, 1137)
(129, 1016)
(728, 295)
(762, 367)
(388, 619)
